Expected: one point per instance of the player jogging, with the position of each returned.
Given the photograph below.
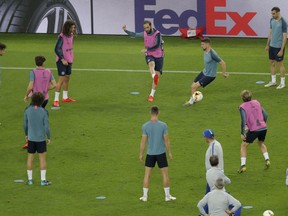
(254, 117)
(208, 74)
(64, 59)
(155, 134)
(276, 43)
(153, 50)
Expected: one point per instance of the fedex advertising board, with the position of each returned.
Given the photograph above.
(227, 18)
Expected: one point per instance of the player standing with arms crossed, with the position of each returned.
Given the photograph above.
(276, 43)
(153, 50)
(64, 59)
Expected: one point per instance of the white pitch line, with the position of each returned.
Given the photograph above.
(138, 71)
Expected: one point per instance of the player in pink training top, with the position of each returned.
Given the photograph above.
(153, 51)
(254, 117)
(41, 80)
(64, 59)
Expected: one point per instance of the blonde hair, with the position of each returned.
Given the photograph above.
(246, 95)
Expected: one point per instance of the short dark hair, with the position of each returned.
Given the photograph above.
(39, 60)
(214, 160)
(37, 99)
(277, 9)
(206, 40)
(246, 95)
(66, 27)
(154, 110)
(2, 46)
(147, 22)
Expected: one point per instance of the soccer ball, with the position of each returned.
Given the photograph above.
(268, 213)
(197, 96)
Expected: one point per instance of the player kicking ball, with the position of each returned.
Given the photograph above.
(208, 74)
(153, 51)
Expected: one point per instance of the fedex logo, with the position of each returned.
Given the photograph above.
(167, 21)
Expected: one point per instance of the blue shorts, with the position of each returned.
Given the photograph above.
(252, 135)
(40, 147)
(160, 159)
(158, 62)
(63, 70)
(203, 80)
(273, 54)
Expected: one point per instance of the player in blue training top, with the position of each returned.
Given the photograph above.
(208, 74)
(155, 134)
(276, 43)
(36, 127)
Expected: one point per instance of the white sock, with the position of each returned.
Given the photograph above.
(266, 156)
(56, 96)
(65, 94)
(273, 77)
(29, 173)
(152, 92)
(43, 175)
(282, 81)
(191, 101)
(145, 192)
(167, 191)
(243, 161)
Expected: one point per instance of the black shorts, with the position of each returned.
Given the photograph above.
(273, 54)
(158, 62)
(252, 135)
(63, 70)
(160, 159)
(203, 80)
(40, 147)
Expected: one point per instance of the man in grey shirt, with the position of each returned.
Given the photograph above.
(218, 201)
(215, 173)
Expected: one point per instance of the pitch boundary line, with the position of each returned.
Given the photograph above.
(138, 71)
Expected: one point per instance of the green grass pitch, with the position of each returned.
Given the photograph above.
(95, 142)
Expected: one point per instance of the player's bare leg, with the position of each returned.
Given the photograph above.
(243, 154)
(146, 181)
(166, 184)
(263, 149)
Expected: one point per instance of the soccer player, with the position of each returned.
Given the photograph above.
(36, 127)
(208, 74)
(2, 52)
(287, 177)
(254, 117)
(2, 49)
(218, 201)
(155, 134)
(64, 59)
(276, 43)
(41, 80)
(153, 50)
